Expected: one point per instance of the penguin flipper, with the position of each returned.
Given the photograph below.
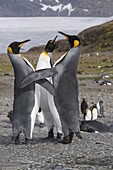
(47, 85)
(39, 77)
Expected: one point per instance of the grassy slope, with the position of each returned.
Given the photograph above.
(96, 39)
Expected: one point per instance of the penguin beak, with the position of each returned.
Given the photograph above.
(23, 42)
(54, 40)
(65, 35)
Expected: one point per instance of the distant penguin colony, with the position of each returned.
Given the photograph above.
(94, 111)
(91, 113)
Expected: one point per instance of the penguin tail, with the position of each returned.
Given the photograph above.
(78, 134)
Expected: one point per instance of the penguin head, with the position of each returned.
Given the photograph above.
(14, 48)
(84, 99)
(73, 39)
(50, 46)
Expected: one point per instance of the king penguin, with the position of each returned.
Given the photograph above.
(49, 110)
(25, 103)
(66, 89)
(84, 107)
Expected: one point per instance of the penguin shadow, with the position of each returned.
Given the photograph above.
(44, 140)
(6, 140)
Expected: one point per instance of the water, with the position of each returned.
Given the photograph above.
(41, 29)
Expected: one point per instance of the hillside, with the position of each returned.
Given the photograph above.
(33, 8)
(97, 42)
(98, 38)
(94, 39)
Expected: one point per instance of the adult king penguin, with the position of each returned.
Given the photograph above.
(25, 103)
(50, 113)
(66, 89)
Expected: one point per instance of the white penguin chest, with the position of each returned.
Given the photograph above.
(43, 62)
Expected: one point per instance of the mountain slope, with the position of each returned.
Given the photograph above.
(95, 39)
(98, 38)
(18, 8)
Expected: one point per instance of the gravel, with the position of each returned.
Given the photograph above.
(93, 152)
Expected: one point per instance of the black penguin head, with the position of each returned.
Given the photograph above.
(84, 99)
(94, 106)
(14, 48)
(73, 39)
(101, 101)
(50, 46)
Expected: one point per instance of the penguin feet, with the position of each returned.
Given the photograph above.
(66, 140)
(78, 134)
(71, 134)
(59, 136)
(28, 141)
(50, 134)
(15, 140)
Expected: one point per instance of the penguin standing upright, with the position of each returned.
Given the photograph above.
(25, 103)
(49, 110)
(66, 89)
(88, 115)
(100, 108)
(91, 113)
(94, 112)
(84, 107)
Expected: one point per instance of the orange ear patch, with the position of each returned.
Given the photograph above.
(76, 43)
(10, 50)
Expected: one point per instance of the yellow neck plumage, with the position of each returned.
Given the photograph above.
(45, 53)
